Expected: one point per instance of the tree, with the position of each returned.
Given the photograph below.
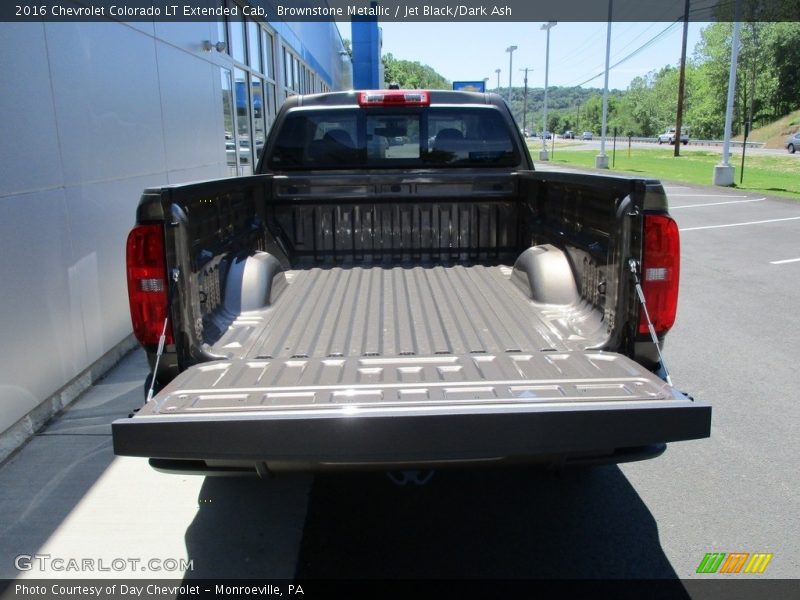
(412, 75)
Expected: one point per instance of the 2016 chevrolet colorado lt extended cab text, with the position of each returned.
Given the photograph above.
(364, 303)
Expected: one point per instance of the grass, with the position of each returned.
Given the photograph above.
(768, 175)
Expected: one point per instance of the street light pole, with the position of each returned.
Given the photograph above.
(601, 160)
(510, 51)
(724, 172)
(498, 79)
(546, 27)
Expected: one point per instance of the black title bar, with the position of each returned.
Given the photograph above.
(400, 10)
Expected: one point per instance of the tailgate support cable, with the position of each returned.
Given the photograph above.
(634, 266)
(174, 274)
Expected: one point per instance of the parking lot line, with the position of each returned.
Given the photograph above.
(706, 196)
(784, 262)
(717, 203)
(740, 224)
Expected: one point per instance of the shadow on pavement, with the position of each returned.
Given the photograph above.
(509, 523)
(247, 527)
(47, 478)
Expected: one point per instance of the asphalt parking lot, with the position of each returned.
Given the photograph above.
(65, 495)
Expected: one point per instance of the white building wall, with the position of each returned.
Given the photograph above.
(92, 113)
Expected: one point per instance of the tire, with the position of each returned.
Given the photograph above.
(686, 143)
(790, 148)
(660, 141)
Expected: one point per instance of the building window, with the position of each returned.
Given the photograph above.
(250, 90)
(266, 45)
(229, 122)
(272, 101)
(243, 137)
(259, 107)
(254, 46)
(237, 41)
(287, 69)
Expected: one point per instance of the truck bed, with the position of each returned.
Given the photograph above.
(407, 311)
(379, 366)
(404, 319)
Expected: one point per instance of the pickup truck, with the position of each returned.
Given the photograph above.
(668, 137)
(374, 305)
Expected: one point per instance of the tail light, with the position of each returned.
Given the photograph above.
(147, 283)
(394, 98)
(661, 263)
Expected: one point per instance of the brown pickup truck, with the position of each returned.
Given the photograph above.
(397, 287)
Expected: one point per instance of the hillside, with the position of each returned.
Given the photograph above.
(774, 135)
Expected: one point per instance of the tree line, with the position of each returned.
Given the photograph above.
(767, 88)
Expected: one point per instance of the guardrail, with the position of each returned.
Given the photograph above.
(693, 142)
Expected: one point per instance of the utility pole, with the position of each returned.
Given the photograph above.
(498, 79)
(525, 101)
(681, 81)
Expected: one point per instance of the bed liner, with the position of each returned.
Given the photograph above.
(407, 311)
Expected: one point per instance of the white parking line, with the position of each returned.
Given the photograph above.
(740, 224)
(717, 203)
(784, 262)
(706, 196)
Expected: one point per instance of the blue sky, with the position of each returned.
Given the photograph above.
(472, 51)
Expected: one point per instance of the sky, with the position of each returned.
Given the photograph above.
(472, 51)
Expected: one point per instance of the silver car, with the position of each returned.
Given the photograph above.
(793, 142)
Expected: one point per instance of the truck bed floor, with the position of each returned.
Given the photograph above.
(414, 311)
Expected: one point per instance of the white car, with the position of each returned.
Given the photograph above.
(668, 137)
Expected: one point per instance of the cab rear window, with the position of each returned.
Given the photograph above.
(355, 138)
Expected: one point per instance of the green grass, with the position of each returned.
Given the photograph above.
(768, 175)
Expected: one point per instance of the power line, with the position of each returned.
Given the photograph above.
(644, 46)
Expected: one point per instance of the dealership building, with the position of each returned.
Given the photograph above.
(93, 113)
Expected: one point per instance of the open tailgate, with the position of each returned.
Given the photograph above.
(410, 410)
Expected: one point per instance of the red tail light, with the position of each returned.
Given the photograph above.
(661, 263)
(147, 283)
(394, 98)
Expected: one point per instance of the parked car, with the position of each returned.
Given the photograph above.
(793, 142)
(546, 135)
(668, 137)
(569, 135)
(587, 135)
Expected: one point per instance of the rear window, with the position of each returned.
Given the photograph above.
(351, 137)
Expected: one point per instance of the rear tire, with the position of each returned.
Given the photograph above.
(791, 148)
